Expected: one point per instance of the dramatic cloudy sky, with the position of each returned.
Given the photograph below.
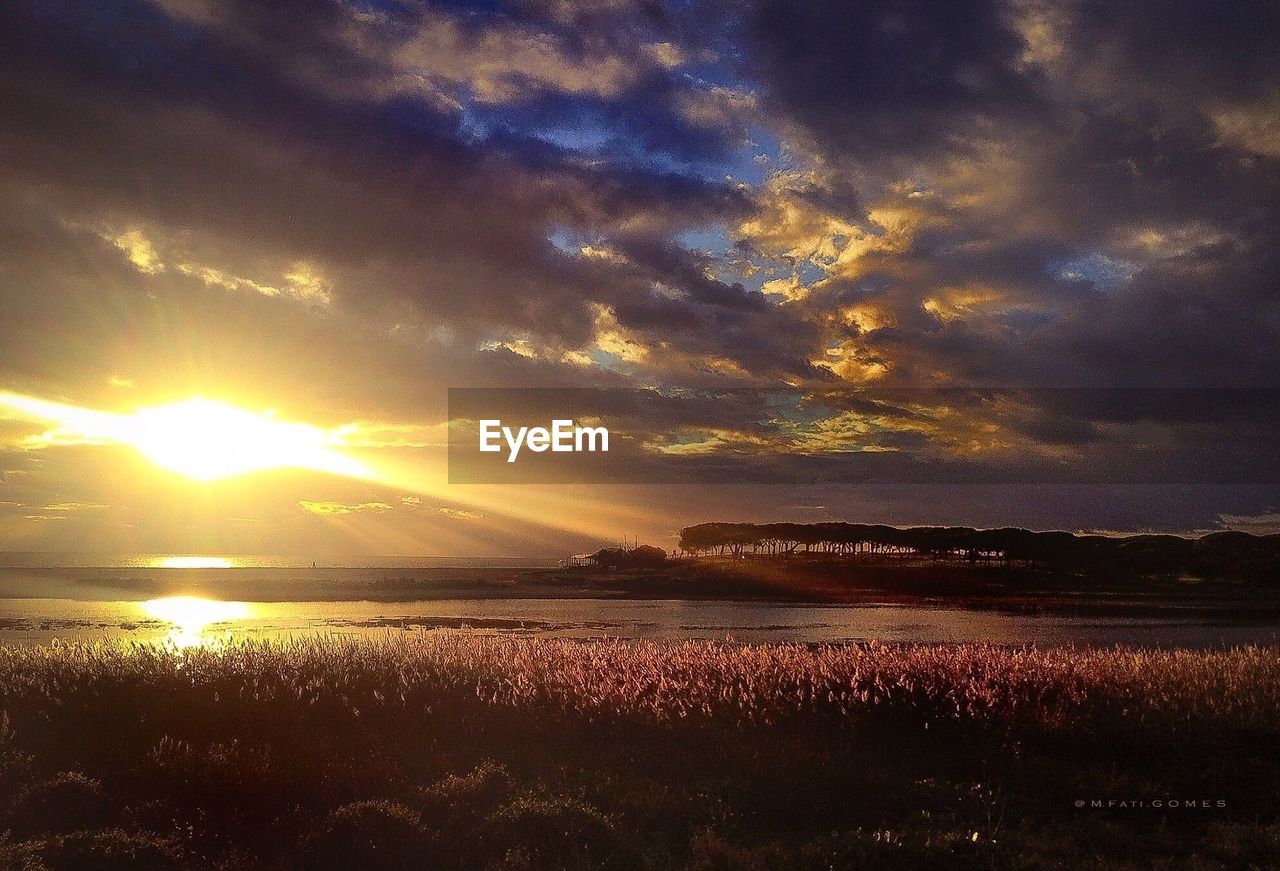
(339, 210)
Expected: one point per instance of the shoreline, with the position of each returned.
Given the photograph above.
(982, 589)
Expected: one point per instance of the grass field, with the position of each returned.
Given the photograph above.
(464, 751)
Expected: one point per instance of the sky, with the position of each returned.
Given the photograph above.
(296, 225)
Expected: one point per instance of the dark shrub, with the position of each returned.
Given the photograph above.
(368, 835)
(710, 852)
(19, 856)
(217, 774)
(16, 767)
(464, 801)
(66, 802)
(110, 850)
(457, 809)
(551, 831)
(894, 852)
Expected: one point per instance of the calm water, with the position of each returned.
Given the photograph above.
(173, 599)
(185, 622)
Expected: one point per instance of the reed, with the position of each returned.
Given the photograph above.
(565, 753)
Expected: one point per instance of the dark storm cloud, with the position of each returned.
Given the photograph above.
(766, 343)
(1137, 164)
(682, 269)
(1185, 48)
(890, 79)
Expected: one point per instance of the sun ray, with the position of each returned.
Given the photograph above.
(207, 440)
(199, 438)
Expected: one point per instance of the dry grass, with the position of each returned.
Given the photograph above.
(714, 752)
(733, 683)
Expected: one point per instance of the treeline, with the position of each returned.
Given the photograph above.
(1226, 555)
(642, 556)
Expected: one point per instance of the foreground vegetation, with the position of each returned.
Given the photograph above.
(462, 751)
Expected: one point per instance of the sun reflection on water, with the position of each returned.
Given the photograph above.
(190, 616)
(192, 562)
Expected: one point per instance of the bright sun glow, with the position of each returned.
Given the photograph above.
(206, 440)
(191, 615)
(191, 562)
(199, 438)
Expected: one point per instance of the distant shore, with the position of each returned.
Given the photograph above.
(862, 583)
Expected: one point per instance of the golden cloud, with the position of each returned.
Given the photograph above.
(334, 509)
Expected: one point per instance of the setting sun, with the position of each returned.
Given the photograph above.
(198, 438)
(206, 440)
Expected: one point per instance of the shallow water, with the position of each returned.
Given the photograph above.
(190, 622)
(86, 598)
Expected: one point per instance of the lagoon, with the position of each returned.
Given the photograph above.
(185, 621)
